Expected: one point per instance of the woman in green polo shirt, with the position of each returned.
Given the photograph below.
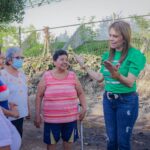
(120, 68)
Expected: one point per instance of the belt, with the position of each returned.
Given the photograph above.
(111, 95)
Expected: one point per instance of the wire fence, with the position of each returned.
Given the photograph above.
(86, 37)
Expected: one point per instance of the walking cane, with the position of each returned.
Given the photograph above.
(81, 130)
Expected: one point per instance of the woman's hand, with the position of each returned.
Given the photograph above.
(15, 113)
(12, 106)
(38, 121)
(82, 114)
(112, 69)
(14, 110)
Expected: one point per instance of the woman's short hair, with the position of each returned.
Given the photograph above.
(10, 53)
(59, 53)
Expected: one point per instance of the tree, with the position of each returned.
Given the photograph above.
(143, 34)
(11, 11)
(6, 36)
(14, 10)
(143, 25)
(87, 32)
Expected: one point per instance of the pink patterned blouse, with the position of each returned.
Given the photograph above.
(60, 102)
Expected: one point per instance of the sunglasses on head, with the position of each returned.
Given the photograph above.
(19, 57)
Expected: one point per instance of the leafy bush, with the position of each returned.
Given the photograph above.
(34, 51)
(58, 45)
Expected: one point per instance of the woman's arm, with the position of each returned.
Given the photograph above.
(94, 75)
(81, 97)
(11, 113)
(39, 96)
(128, 81)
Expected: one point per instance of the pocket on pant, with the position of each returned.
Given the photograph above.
(129, 99)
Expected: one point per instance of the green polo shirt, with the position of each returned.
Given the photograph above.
(133, 63)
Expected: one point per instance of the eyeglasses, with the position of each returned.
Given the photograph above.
(19, 57)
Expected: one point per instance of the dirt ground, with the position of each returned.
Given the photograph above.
(93, 131)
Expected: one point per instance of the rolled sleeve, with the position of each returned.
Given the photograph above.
(137, 63)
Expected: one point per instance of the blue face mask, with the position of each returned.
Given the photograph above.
(17, 63)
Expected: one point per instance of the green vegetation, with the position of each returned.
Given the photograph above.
(92, 47)
(11, 10)
(58, 45)
(34, 51)
(32, 46)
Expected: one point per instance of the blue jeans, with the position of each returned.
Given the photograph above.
(120, 114)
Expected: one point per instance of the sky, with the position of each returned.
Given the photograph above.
(66, 12)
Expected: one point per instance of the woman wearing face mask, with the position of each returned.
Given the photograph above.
(16, 81)
(8, 109)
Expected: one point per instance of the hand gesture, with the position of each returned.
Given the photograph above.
(112, 69)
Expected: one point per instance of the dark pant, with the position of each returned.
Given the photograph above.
(54, 131)
(120, 114)
(19, 125)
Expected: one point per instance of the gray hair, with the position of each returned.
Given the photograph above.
(10, 53)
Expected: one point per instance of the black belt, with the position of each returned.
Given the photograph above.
(111, 95)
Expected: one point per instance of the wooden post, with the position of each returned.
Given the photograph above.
(46, 41)
(113, 17)
(20, 43)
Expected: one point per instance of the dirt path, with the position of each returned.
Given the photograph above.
(94, 132)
